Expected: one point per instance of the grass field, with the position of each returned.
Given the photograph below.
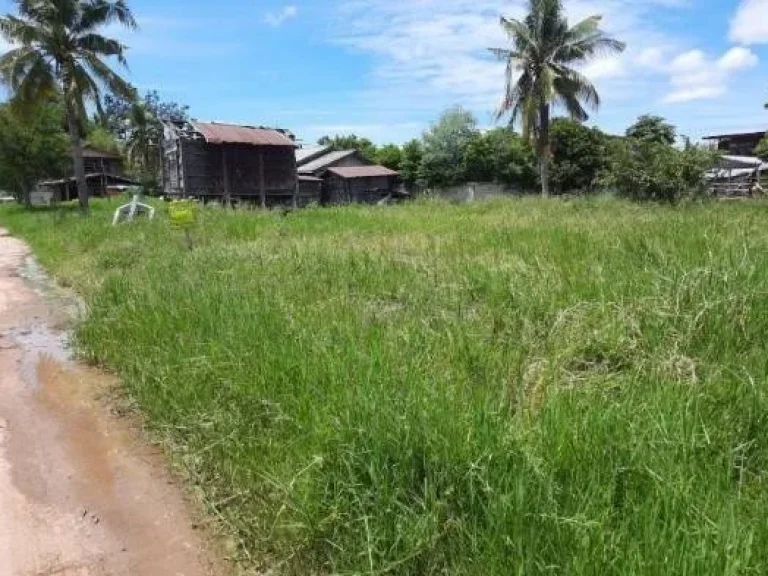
(514, 387)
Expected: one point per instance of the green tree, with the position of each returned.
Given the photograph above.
(99, 138)
(142, 144)
(444, 146)
(365, 147)
(119, 113)
(654, 129)
(579, 155)
(410, 164)
(761, 151)
(33, 147)
(391, 156)
(60, 53)
(648, 170)
(501, 156)
(540, 71)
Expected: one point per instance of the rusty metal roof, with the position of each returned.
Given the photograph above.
(362, 171)
(215, 133)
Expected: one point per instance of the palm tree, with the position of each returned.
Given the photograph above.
(144, 134)
(540, 71)
(59, 53)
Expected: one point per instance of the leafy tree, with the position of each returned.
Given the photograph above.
(33, 147)
(365, 147)
(579, 155)
(500, 156)
(761, 151)
(444, 144)
(410, 163)
(61, 53)
(99, 138)
(648, 170)
(540, 71)
(652, 129)
(120, 114)
(390, 155)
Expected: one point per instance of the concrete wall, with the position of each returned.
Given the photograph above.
(472, 191)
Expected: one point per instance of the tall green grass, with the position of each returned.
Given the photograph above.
(512, 387)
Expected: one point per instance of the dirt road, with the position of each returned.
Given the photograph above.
(79, 494)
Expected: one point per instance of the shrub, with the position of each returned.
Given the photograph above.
(646, 170)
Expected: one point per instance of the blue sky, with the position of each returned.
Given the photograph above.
(387, 68)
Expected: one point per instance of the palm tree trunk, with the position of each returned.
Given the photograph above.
(77, 157)
(544, 149)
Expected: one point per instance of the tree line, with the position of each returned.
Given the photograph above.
(643, 163)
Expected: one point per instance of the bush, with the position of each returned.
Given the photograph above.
(579, 155)
(646, 170)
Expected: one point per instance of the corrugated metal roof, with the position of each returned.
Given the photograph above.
(234, 134)
(304, 155)
(728, 161)
(362, 171)
(326, 160)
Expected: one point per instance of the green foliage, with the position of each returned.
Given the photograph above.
(501, 156)
(647, 170)
(542, 70)
(579, 155)
(58, 52)
(101, 139)
(390, 155)
(761, 151)
(33, 147)
(351, 142)
(120, 113)
(444, 146)
(653, 129)
(513, 387)
(410, 165)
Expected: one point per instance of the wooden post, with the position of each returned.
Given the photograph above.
(225, 175)
(296, 188)
(262, 189)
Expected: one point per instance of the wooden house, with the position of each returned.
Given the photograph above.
(103, 172)
(347, 176)
(363, 184)
(737, 144)
(227, 162)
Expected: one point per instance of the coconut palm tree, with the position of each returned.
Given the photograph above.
(58, 52)
(541, 71)
(144, 135)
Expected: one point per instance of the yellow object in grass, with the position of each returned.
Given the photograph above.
(183, 214)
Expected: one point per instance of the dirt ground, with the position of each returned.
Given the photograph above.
(80, 493)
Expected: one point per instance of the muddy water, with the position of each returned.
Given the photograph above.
(80, 493)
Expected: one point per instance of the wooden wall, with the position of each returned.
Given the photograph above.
(339, 190)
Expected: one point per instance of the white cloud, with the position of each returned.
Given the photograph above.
(277, 18)
(750, 23)
(429, 54)
(695, 76)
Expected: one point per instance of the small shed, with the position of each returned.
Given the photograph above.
(98, 162)
(347, 176)
(364, 184)
(99, 185)
(225, 162)
(737, 144)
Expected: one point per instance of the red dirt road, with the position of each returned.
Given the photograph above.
(80, 495)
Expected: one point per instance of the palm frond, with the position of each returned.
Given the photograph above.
(103, 74)
(19, 31)
(96, 13)
(102, 46)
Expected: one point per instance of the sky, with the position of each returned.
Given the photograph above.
(386, 69)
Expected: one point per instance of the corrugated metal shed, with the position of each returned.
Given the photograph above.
(362, 171)
(325, 161)
(234, 134)
(304, 155)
